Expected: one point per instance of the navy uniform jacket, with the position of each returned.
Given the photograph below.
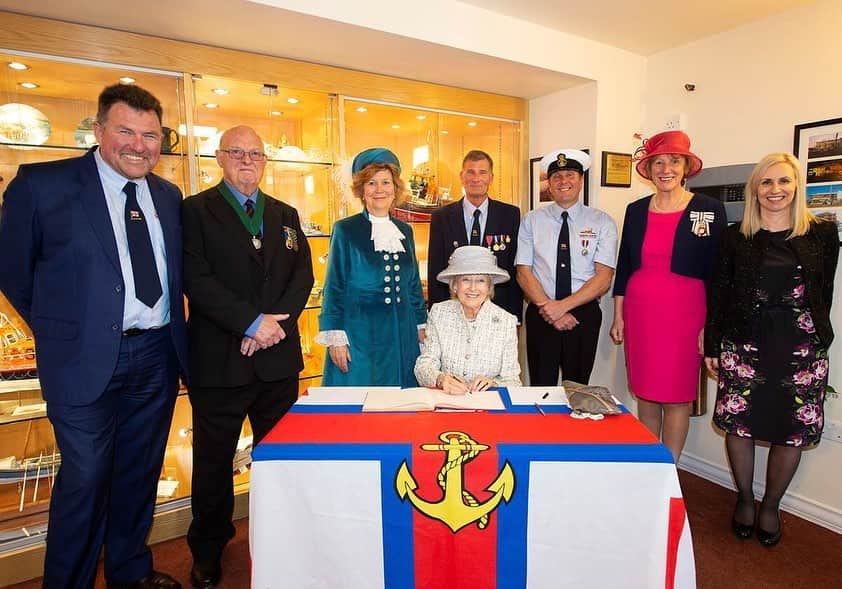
(60, 269)
(447, 232)
(692, 255)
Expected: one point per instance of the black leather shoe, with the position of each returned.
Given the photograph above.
(769, 539)
(154, 580)
(742, 531)
(205, 575)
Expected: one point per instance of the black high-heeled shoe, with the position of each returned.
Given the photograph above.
(769, 539)
(742, 531)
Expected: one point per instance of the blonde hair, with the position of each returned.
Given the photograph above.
(800, 218)
(368, 172)
(453, 281)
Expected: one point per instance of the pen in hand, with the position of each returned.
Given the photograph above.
(540, 410)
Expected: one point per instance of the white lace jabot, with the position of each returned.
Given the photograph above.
(386, 235)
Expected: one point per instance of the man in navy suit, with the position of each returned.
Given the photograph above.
(476, 220)
(90, 256)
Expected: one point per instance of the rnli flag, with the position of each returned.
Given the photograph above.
(511, 499)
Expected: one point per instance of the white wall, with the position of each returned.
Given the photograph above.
(753, 84)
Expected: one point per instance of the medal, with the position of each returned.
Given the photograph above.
(255, 241)
(496, 246)
(502, 243)
(585, 243)
(488, 240)
(508, 239)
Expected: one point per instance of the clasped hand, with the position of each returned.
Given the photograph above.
(269, 332)
(558, 315)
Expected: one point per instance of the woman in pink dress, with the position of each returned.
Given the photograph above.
(667, 249)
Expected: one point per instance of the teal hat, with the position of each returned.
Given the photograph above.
(374, 155)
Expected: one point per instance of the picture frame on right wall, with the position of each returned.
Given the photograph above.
(818, 147)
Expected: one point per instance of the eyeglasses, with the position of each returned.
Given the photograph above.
(238, 154)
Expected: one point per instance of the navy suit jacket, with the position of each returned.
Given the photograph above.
(692, 255)
(447, 232)
(60, 269)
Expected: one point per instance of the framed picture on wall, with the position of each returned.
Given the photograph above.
(539, 191)
(616, 169)
(818, 147)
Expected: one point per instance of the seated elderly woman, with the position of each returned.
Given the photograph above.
(471, 342)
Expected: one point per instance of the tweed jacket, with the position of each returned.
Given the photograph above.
(732, 300)
(489, 348)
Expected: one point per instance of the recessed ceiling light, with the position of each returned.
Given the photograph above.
(396, 126)
(445, 132)
(28, 85)
(293, 100)
(362, 109)
(421, 117)
(210, 105)
(16, 65)
(127, 80)
(472, 123)
(221, 91)
(275, 113)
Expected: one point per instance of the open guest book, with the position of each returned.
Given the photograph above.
(424, 399)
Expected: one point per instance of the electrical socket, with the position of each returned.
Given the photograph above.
(676, 122)
(832, 431)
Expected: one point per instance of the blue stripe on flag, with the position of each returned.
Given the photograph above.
(512, 522)
(398, 537)
(297, 408)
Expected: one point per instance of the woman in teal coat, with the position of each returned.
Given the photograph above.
(373, 314)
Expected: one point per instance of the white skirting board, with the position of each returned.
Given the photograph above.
(808, 509)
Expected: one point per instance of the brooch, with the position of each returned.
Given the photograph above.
(701, 221)
(290, 238)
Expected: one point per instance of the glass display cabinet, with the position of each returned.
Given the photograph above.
(47, 108)
(430, 146)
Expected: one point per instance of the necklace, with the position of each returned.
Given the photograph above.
(682, 204)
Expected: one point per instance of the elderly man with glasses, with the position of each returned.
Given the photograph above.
(247, 276)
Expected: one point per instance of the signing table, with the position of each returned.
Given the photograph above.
(526, 497)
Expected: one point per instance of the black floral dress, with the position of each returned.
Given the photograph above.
(772, 384)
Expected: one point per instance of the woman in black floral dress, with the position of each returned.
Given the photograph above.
(767, 335)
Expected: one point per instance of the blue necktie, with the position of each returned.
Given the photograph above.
(147, 285)
(562, 268)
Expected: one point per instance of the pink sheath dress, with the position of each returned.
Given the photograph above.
(663, 313)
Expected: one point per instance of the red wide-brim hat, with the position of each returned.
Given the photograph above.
(668, 142)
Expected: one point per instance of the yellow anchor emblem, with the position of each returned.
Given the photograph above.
(458, 507)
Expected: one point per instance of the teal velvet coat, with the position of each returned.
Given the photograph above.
(376, 298)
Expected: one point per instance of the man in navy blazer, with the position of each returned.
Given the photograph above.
(476, 220)
(90, 256)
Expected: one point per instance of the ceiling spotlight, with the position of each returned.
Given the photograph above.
(293, 100)
(127, 80)
(275, 113)
(445, 132)
(221, 91)
(472, 123)
(421, 117)
(210, 105)
(28, 85)
(362, 109)
(16, 65)
(396, 126)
